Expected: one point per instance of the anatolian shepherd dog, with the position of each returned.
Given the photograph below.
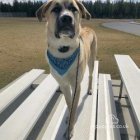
(70, 48)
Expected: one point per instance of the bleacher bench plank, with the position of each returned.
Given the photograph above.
(86, 113)
(94, 101)
(101, 112)
(11, 93)
(130, 75)
(52, 129)
(106, 111)
(20, 123)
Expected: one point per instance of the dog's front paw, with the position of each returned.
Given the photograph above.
(90, 92)
(68, 134)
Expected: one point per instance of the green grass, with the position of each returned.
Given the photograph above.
(22, 47)
(112, 42)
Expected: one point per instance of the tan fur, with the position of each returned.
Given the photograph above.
(88, 49)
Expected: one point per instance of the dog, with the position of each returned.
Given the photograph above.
(70, 48)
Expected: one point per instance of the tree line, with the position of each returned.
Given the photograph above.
(119, 9)
(28, 7)
(98, 9)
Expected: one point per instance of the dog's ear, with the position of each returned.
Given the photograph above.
(83, 10)
(40, 13)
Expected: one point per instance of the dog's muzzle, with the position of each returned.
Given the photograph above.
(65, 26)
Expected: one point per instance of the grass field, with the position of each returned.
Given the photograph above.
(22, 47)
(137, 20)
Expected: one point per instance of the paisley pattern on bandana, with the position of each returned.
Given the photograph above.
(61, 65)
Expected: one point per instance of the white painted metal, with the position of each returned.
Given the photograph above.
(12, 92)
(9, 84)
(130, 75)
(20, 123)
(94, 101)
(55, 121)
(86, 114)
(111, 114)
(101, 112)
(39, 80)
(107, 120)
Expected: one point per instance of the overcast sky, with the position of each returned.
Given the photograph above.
(10, 1)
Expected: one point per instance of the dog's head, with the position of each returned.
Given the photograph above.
(63, 16)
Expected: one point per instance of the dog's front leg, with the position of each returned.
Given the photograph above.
(67, 94)
(73, 111)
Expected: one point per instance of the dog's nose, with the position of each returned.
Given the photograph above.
(66, 19)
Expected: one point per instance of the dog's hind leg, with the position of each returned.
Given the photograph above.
(91, 64)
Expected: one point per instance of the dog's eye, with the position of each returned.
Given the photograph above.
(72, 8)
(57, 9)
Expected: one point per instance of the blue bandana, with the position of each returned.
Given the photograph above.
(61, 65)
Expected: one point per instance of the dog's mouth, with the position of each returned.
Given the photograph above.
(65, 31)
